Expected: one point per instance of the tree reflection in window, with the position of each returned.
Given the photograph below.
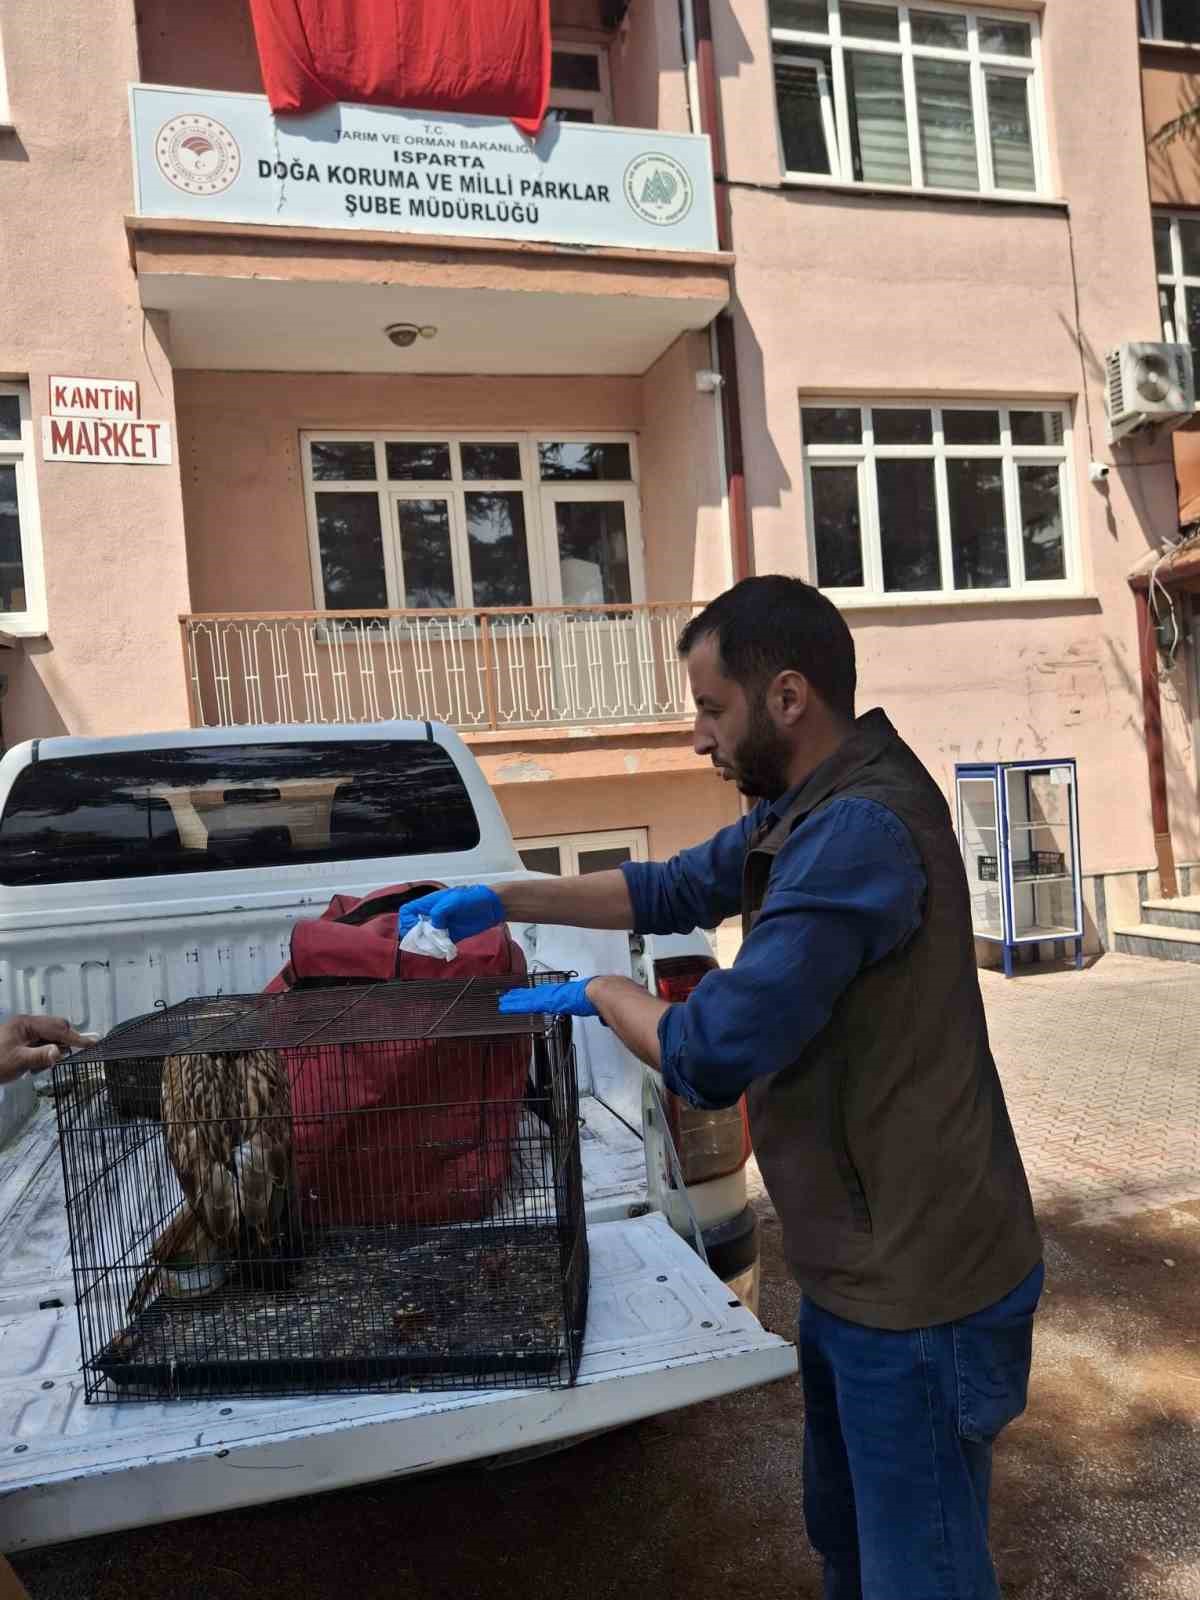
(499, 554)
(576, 461)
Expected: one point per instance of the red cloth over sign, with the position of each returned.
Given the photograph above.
(490, 57)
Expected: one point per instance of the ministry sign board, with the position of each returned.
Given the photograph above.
(225, 158)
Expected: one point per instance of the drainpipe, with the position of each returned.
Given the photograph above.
(705, 110)
(1155, 756)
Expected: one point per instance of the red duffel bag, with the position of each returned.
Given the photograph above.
(403, 1131)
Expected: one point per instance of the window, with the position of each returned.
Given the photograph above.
(1177, 260)
(211, 808)
(1177, 21)
(426, 523)
(920, 501)
(911, 96)
(21, 603)
(579, 84)
(570, 855)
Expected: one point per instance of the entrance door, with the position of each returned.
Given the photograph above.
(603, 663)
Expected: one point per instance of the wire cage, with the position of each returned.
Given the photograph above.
(343, 1187)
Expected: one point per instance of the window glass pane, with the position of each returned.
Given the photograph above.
(542, 858)
(216, 807)
(406, 462)
(837, 528)
(900, 425)
(424, 527)
(603, 860)
(971, 427)
(499, 557)
(908, 526)
(1037, 427)
(878, 124)
(1042, 540)
(831, 424)
(940, 29)
(10, 417)
(572, 113)
(1011, 132)
(1005, 38)
(585, 463)
(1162, 245)
(351, 545)
(871, 22)
(1189, 239)
(343, 460)
(491, 461)
(1181, 21)
(1192, 334)
(947, 124)
(812, 16)
(574, 69)
(593, 552)
(978, 535)
(12, 573)
(804, 104)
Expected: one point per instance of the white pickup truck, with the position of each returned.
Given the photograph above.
(144, 870)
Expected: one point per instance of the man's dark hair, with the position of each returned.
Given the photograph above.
(765, 626)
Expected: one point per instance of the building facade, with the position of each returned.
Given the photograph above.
(807, 286)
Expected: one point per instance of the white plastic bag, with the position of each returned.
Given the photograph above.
(423, 939)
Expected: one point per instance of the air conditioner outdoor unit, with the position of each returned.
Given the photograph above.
(1148, 385)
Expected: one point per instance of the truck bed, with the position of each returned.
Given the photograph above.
(659, 1321)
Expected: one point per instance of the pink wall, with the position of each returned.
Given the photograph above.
(112, 536)
(240, 457)
(676, 814)
(842, 292)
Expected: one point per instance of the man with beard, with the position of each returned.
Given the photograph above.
(852, 1020)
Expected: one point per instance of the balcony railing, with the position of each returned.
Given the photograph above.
(479, 671)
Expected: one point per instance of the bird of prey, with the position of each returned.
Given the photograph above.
(228, 1131)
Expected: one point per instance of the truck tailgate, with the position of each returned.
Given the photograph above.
(662, 1332)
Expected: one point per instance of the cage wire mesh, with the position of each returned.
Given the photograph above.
(352, 1186)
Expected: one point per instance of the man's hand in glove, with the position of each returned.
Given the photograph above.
(461, 912)
(552, 1000)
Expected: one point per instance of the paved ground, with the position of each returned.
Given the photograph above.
(1097, 1489)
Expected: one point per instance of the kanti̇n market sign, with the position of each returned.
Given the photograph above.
(99, 421)
(225, 158)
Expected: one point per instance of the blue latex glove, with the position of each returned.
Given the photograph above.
(551, 1000)
(461, 912)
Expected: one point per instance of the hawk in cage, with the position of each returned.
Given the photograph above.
(227, 1123)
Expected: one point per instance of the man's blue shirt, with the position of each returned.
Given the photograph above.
(846, 889)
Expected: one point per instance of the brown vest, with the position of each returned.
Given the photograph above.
(886, 1147)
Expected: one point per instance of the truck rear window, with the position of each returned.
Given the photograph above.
(131, 814)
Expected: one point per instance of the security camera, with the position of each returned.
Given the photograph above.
(1098, 471)
(709, 382)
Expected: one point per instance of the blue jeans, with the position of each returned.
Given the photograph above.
(898, 1446)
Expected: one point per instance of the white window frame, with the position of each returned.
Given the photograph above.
(982, 64)
(540, 531)
(597, 101)
(1177, 282)
(872, 593)
(569, 845)
(1151, 14)
(20, 453)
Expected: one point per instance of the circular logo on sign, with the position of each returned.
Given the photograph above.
(658, 189)
(197, 154)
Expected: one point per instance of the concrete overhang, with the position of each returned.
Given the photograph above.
(256, 298)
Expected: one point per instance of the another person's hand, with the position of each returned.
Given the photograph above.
(461, 912)
(32, 1044)
(551, 1000)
